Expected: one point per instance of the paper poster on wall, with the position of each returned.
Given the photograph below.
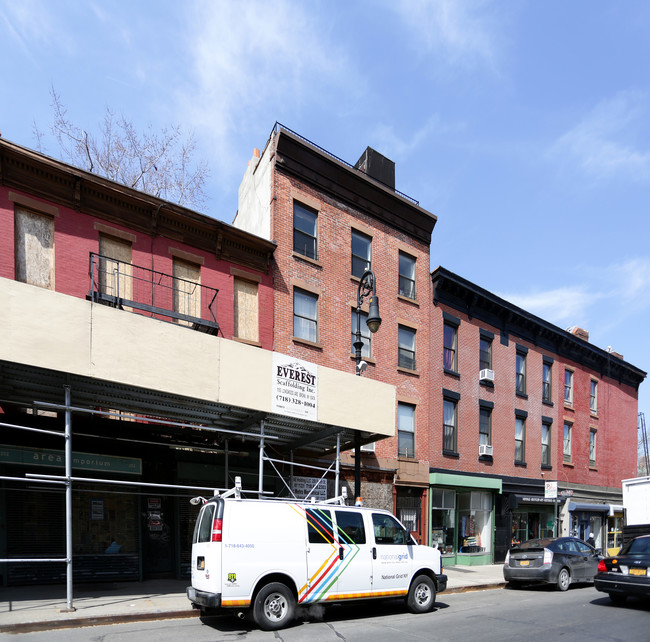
(295, 387)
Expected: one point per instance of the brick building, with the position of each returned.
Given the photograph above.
(481, 414)
(330, 222)
(144, 331)
(522, 402)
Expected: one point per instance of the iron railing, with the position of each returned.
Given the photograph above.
(135, 288)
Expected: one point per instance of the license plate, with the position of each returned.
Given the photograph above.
(638, 571)
(524, 562)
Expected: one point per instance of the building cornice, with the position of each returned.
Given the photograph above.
(56, 182)
(298, 157)
(462, 295)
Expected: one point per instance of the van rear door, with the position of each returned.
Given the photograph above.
(206, 548)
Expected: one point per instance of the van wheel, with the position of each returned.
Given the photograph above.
(422, 595)
(273, 607)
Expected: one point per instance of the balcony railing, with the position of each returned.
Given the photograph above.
(136, 288)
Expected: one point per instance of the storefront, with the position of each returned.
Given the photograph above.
(462, 517)
(533, 517)
(605, 521)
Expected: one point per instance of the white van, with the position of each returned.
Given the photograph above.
(271, 555)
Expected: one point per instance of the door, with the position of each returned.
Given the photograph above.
(589, 560)
(157, 538)
(392, 557)
(355, 555)
(322, 557)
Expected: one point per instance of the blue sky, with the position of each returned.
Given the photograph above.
(523, 125)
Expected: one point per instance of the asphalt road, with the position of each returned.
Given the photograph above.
(498, 614)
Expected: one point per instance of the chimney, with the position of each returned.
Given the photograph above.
(377, 166)
(579, 332)
(614, 353)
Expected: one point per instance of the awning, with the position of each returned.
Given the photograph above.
(593, 508)
(465, 481)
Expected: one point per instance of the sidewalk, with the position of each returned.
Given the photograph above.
(40, 608)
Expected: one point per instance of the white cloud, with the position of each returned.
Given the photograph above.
(252, 62)
(464, 34)
(560, 306)
(603, 143)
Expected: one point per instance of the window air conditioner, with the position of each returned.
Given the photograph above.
(484, 449)
(368, 448)
(486, 375)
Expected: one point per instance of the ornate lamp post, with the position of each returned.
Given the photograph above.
(366, 289)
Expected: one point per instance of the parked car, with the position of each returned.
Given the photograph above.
(626, 573)
(560, 561)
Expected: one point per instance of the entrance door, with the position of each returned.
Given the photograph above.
(157, 538)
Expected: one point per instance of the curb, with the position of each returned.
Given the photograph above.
(80, 622)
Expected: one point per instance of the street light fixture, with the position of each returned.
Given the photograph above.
(366, 289)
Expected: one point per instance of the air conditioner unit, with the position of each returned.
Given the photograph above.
(484, 449)
(486, 375)
(368, 448)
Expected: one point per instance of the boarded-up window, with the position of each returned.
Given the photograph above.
(115, 271)
(187, 293)
(34, 254)
(246, 310)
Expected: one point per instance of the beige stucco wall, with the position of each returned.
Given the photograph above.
(47, 329)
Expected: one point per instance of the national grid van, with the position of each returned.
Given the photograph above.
(266, 556)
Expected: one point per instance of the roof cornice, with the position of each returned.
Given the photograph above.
(476, 302)
(298, 157)
(57, 182)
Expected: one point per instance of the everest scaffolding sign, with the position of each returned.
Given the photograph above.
(295, 387)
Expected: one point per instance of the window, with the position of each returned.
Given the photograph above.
(443, 520)
(567, 441)
(592, 447)
(520, 439)
(115, 270)
(34, 248)
(350, 527)
(388, 530)
(568, 387)
(361, 248)
(546, 444)
(304, 231)
(406, 275)
(406, 429)
(547, 371)
(521, 372)
(485, 353)
(366, 335)
(406, 347)
(475, 522)
(203, 527)
(319, 526)
(305, 315)
(593, 396)
(449, 425)
(187, 291)
(246, 310)
(485, 426)
(450, 355)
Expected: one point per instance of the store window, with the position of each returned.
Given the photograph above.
(443, 520)
(531, 525)
(474, 522)
(614, 534)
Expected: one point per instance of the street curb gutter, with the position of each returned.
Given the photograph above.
(73, 623)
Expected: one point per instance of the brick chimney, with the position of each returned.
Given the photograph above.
(579, 332)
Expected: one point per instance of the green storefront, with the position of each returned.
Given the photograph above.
(462, 517)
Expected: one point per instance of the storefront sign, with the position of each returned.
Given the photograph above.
(80, 461)
(295, 387)
(96, 509)
(550, 490)
(533, 500)
(303, 486)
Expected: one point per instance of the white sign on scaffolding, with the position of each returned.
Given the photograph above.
(295, 387)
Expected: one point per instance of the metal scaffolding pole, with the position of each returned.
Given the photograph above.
(68, 499)
(260, 481)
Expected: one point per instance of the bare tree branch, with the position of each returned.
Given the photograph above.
(159, 163)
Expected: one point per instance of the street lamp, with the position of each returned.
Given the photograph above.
(366, 289)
